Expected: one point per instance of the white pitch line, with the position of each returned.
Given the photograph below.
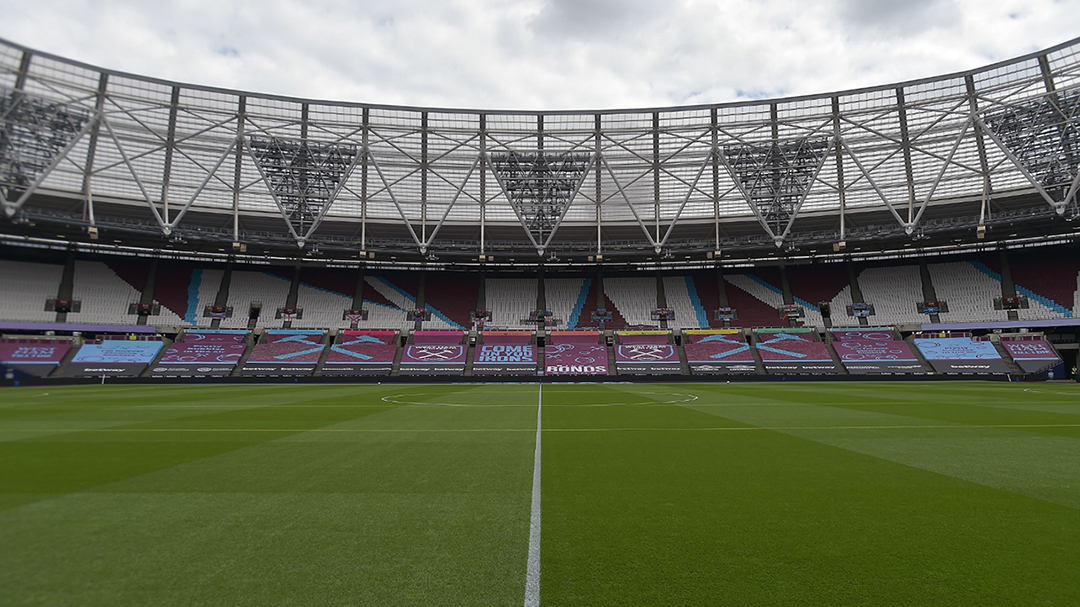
(532, 568)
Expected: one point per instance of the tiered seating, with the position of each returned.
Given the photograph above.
(1033, 353)
(755, 300)
(968, 292)
(451, 297)
(435, 353)
(106, 298)
(25, 288)
(793, 351)
(324, 294)
(575, 353)
(874, 350)
(184, 290)
(113, 357)
(634, 298)
(644, 337)
(960, 353)
(245, 287)
(646, 353)
(718, 351)
(285, 352)
(398, 290)
(1049, 280)
(438, 338)
(505, 353)
(681, 295)
(202, 353)
(361, 353)
(37, 357)
(894, 292)
(813, 284)
(510, 300)
(566, 298)
(708, 291)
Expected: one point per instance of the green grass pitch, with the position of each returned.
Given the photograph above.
(896, 494)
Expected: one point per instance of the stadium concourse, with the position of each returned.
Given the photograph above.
(75, 316)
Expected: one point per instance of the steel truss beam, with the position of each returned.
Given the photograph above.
(540, 187)
(304, 177)
(1040, 137)
(36, 135)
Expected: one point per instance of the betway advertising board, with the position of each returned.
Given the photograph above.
(199, 359)
(575, 359)
(961, 355)
(1033, 356)
(873, 352)
(505, 360)
(433, 360)
(361, 353)
(719, 352)
(113, 358)
(647, 359)
(36, 359)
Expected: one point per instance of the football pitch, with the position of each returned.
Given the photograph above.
(929, 493)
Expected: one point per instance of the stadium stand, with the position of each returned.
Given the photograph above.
(755, 300)
(634, 298)
(437, 338)
(708, 291)
(184, 290)
(968, 292)
(575, 353)
(1032, 353)
(435, 353)
(285, 353)
(510, 300)
(811, 285)
(958, 353)
(324, 294)
(505, 353)
(718, 351)
(37, 282)
(566, 298)
(451, 297)
(793, 351)
(361, 352)
(247, 287)
(202, 353)
(893, 291)
(1049, 281)
(113, 358)
(106, 298)
(681, 295)
(873, 351)
(35, 357)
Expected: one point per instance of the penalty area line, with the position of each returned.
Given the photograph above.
(532, 567)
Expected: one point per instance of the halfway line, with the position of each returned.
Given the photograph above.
(532, 568)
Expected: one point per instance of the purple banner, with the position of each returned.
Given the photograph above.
(35, 359)
(14, 353)
(874, 351)
(519, 359)
(647, 359)
(1033, 355)
(576, 359)
(434, 359)
(359, 354)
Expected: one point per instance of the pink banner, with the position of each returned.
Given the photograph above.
(576, 359)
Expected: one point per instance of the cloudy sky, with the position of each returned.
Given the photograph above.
(540, 54)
